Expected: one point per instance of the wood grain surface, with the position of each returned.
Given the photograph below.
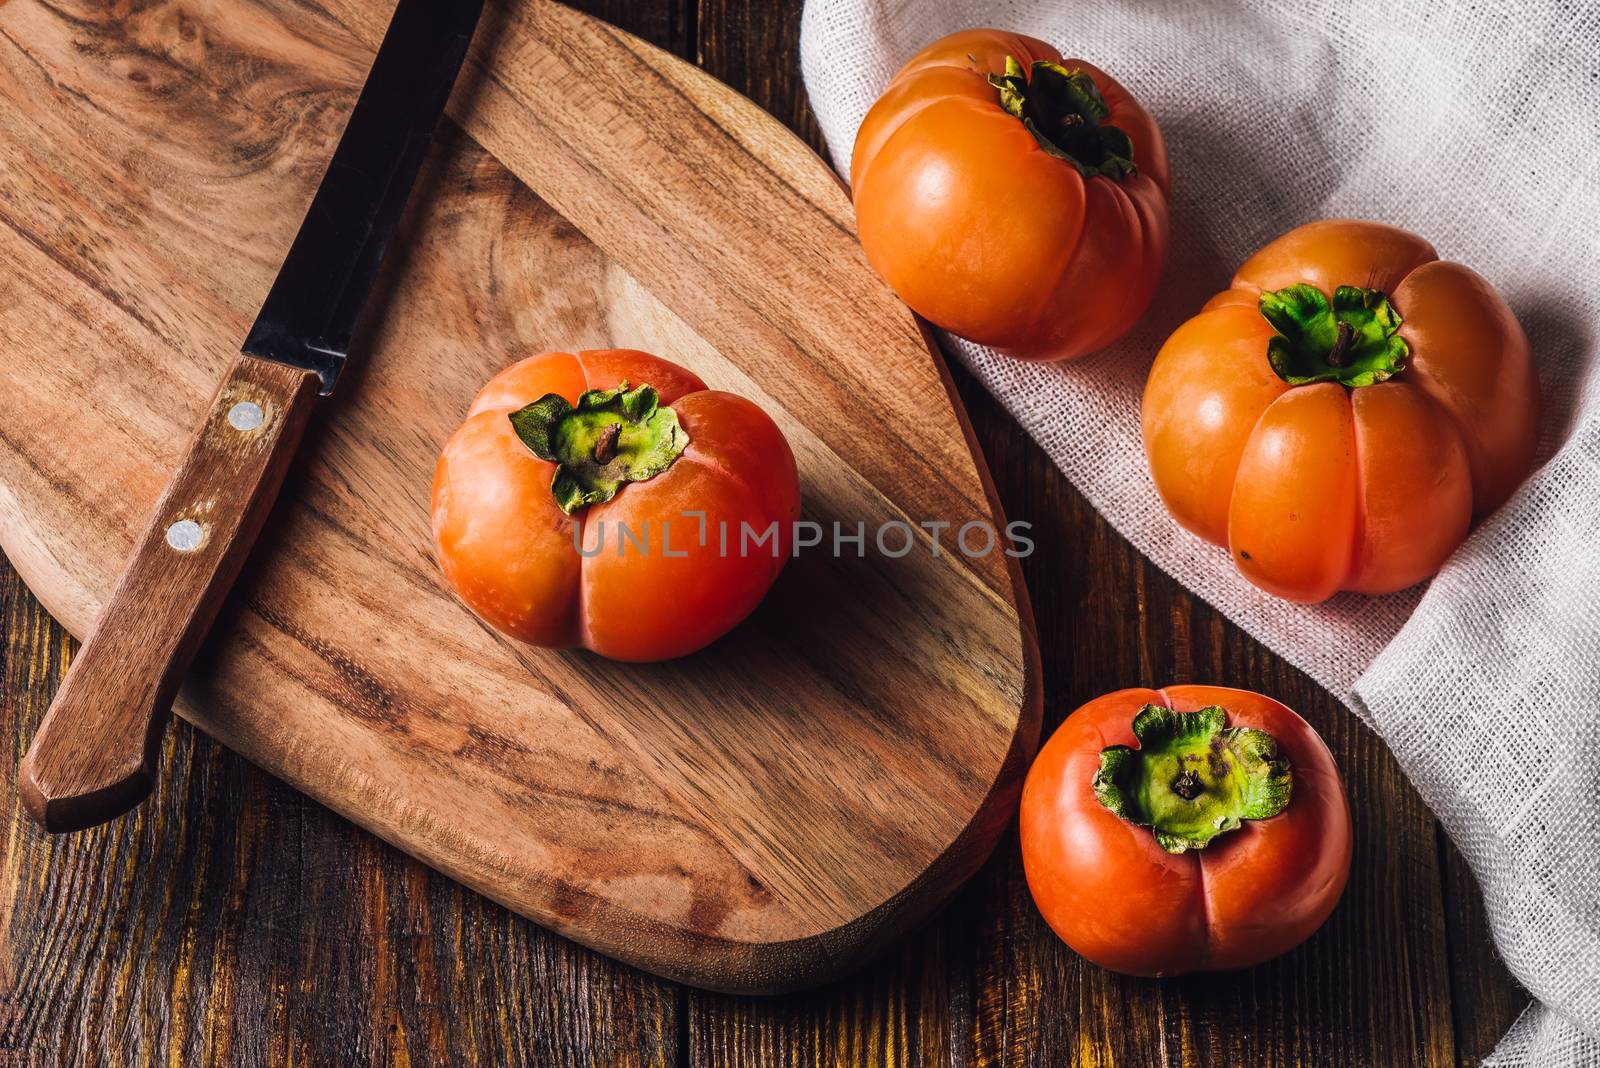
(757, 816)
(236, 921)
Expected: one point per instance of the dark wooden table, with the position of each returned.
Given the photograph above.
(233, 921)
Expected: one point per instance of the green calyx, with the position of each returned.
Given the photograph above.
(612, 437)
(1352, 340)
(1193, 777)
(1065, 112)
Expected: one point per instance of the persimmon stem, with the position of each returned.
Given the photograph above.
(1187, 785)
(1341, 344)
(605, 447)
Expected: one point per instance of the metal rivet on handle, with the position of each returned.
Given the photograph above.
(246, 415)
(185, 535)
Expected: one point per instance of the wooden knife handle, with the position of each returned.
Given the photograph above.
(94, 755)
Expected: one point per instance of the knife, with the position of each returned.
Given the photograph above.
(94, 755)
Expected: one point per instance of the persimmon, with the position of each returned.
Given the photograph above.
(1343, 413)
(1013, 197)
(1194, 828)
(608, 499)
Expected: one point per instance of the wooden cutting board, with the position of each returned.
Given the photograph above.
(756, 817)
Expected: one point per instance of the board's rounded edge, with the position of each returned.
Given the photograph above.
(53, 586)
(772, 968)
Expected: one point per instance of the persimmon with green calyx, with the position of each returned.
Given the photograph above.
(1013, 197)
(1193, 828)
(601, 499)
(1343, 413)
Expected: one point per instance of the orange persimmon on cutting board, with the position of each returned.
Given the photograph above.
(607, 499)
(1343, 413)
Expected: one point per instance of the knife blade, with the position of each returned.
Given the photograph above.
(94, 755)
(311, 311)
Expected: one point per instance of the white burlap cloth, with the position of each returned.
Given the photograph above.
(1480, 129)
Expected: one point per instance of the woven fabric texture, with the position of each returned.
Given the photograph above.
(1477, 126)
